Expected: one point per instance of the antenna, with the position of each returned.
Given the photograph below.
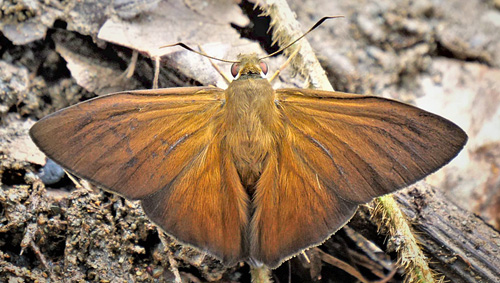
(317, 24)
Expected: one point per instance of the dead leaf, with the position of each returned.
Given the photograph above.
(13, 85)
(16, 143)
(26, 21)
(201, 22)
(91, 70)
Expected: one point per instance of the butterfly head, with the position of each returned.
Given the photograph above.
(248, 65)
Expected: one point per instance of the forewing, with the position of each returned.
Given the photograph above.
(339, 150)
(159, 146)
(368, 146)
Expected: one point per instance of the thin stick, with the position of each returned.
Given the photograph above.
(410, 256)
(286, 27)
(351, 270)
(317, 24)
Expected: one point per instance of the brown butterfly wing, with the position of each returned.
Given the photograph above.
(162, 147)
(340, 150)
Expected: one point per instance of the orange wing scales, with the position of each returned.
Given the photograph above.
(289, 195)
(340, 150)
(320, 154)
(218, 220)
(374, 145)
(162, 147)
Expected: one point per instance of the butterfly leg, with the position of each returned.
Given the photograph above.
(226, 77)
(284, 65)
(157, 72)
(129, 72)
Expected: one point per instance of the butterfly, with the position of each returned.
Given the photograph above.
(248, 173)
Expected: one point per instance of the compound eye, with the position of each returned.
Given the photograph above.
(235, 69)
(263, 67)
